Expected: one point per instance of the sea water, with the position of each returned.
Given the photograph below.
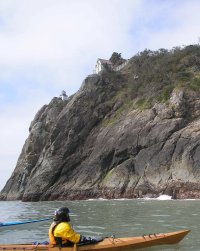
(119, 218)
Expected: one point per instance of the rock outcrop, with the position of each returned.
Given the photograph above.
(96, 144)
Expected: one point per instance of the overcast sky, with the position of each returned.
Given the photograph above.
(47, 46)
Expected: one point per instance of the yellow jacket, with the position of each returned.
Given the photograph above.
(64, 231)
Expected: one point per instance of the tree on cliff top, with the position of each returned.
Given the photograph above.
(116, 59)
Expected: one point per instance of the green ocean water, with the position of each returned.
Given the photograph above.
(121, 218)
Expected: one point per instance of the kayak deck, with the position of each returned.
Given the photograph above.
(115, 244)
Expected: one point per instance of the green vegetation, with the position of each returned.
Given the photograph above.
(116, 59)
(195, 84)
(113, 119)
(151, 76)
(158, 72)
(108, 174)
(184, 76)
(142, 104)
(165, 94)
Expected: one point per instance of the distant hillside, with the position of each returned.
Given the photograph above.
(131, 133)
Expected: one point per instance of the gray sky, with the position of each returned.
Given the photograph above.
(47, 46)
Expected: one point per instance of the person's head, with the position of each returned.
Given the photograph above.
(62, 214)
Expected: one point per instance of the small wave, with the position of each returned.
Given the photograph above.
(161, 197)
(164, 197)
(96, 199)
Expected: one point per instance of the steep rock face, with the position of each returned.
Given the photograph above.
(90, 146)
(69, 154)
(55, 145)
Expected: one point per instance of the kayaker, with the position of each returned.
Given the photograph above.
(62, 234)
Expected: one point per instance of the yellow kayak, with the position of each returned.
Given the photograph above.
(109, 244)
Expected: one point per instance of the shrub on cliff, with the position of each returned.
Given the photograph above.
(117, 59)
(154, 74)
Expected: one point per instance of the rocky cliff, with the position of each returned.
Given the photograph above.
(130, 134)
